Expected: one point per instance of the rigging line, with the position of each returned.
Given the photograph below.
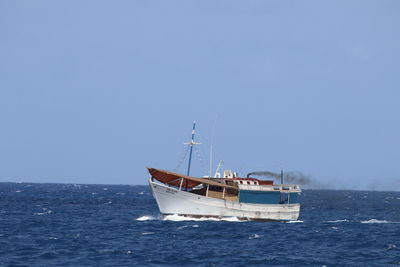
(201, 137)
(182, 159)
(202, 162)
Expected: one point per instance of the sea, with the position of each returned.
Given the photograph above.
(119, 225)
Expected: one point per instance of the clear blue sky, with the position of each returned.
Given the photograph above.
(94, 91)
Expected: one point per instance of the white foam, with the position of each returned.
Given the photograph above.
(40, 213)
(377, 221)
(140, 193)
(179, 218)
(294, 221)
(182, 227)
(146, 218)
(254, 236)
(45, 212)
(231, 219)
(195, 226)
(338, 221)
(147, 233)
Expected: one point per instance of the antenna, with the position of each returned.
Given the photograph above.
(191, 143)
(211, 155)
(211, 146)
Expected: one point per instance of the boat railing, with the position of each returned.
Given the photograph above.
(276, 187)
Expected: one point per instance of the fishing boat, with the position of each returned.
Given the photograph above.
(245, 198)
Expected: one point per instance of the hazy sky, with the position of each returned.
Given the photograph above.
(94, 91)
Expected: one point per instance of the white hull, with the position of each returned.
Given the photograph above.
(173, 201)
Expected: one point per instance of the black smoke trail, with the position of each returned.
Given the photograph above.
(288, 177)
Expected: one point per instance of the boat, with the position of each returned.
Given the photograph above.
(245, 198)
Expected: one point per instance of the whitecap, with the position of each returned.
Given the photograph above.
(254, 236)
(40, 213)
(377, 221)
(140, 193)
(338, 221)
(45, 212)
(145, 218)
(18, 191)
(298, 221)
(195, 226)
(182, 227)
(334, 228)
(147, 233)
(391, 246)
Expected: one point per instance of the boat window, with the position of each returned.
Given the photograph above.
(248, 182)
(241, 182)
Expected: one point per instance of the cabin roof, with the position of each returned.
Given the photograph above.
(174, 179)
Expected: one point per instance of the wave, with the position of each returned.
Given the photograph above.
(338, 221)
(298, 221)
(254, 236)
(45, 212)
(146, 218)
(185, 226)
(391, 246)
(147, 233)
(179, 218)
(377, 221)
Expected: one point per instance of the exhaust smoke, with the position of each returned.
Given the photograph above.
(289, 177)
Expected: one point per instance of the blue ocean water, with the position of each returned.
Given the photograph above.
(118, 225)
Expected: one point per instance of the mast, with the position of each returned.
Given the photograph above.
(191, 143)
